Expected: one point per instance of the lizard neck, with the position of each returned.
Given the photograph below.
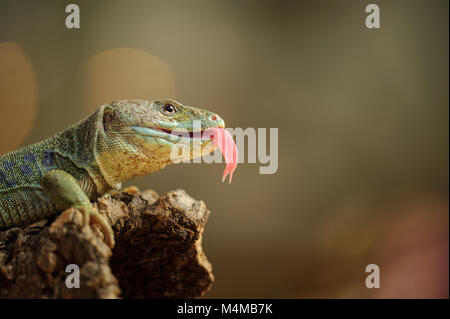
(80, 143)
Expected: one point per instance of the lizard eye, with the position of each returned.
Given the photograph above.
(169, 109)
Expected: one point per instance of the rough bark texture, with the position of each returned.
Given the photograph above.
(158, 252)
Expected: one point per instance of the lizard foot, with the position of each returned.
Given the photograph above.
(92, 216)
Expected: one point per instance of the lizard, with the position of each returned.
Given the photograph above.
(119, 141)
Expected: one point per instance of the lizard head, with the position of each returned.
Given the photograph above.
(140, 137)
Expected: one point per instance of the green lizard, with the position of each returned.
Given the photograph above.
(119, 141)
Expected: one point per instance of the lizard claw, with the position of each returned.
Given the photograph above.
(92, 216)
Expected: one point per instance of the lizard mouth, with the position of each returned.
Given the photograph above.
(193, 135)
(172, 134)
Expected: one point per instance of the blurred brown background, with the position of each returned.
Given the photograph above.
(362, 115)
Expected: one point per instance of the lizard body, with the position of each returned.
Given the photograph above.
(119, 141)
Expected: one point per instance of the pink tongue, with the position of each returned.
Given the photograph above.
(224, 141)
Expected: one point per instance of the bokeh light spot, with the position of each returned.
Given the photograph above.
(124, 73)
(18, 96)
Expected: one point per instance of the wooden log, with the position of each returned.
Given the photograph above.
(158, 251)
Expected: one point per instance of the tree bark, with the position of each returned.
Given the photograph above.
(158, 251)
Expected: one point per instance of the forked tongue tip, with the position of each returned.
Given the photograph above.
(231, 177)
(224, 140)
(224, 176)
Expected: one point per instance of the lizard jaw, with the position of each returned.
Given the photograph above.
(170, 135)
(163, 141)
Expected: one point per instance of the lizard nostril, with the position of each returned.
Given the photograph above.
(213, 117)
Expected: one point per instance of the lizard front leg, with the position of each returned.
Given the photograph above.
(63, 189)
